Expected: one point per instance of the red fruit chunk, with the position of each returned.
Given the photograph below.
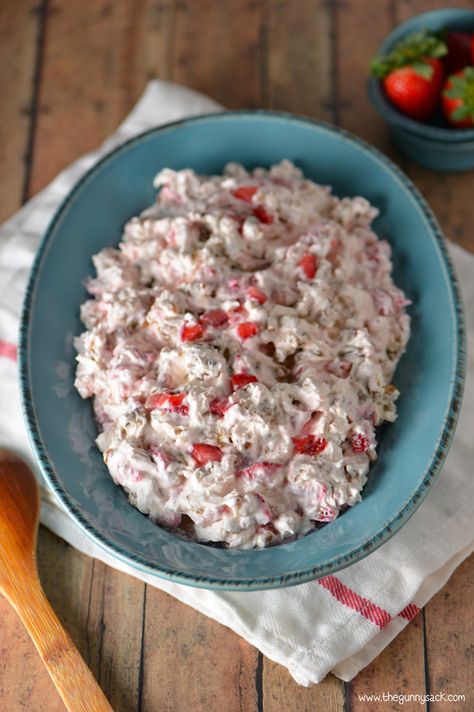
(175, 399)
(191, 332)
(309, 444)
(259, 468)
(215, 318)
(218, 406)
(309, 265)
(171, 402)
(245, 192)
(238, 310)
(262, 215)
(359, 443)
(203, 453)
(247, 329)
(257, 295)
(339, 368)
(459, 51)
(239, 380)
(265, 508)
(239, 219)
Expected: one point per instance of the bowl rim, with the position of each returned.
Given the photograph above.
(384, 106)
(440, 447)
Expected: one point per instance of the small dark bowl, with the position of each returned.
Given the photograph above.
(433, 144)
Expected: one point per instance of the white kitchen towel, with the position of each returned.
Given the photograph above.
(341, 622)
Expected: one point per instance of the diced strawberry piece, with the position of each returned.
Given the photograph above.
(265, 509)
(214, 318)
(218, 406)
(247, 329)
(309, 265)
(203, 453)
(359, 443)
(339, 368)
(258, 468)
(192, 332)
(326, 514)
(239, 219)
(239, 380)
(245, 192)
(170, 402)
(159, 455)
(257, 295)
(309, 444)
(156, 400)
(234, 284)
(240, 309)
(262, 215)
(175, 399)
(135, 475)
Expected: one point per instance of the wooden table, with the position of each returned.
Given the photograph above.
(70, 71)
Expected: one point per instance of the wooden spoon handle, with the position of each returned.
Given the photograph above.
(69, 673)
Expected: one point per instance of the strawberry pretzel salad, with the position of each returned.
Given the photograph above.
(239, 351)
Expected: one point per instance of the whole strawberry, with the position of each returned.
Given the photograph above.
(459, 51)
(412, 74)
(458, 98)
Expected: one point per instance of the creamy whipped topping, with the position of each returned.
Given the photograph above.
(239, 350)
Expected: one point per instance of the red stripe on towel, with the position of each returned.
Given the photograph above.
(409, 612)
(7, 350)
(351, 599)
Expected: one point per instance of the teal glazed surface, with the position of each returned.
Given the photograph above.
(430, 374)
(432, 144)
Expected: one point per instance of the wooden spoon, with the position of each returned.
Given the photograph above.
(19, 582)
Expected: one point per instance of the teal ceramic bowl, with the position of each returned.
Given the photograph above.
(432, 144)
(430, 375)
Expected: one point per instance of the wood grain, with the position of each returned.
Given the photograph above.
(19, 27)
(449, 620)
(360, 28)
(114, 634)
(191, 662)
(280, 691)
(87, 87)
(20, 584)
(216, 49)
(23, 679)
(297, 75)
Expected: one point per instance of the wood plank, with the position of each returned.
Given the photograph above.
(398, 669)
(24, 683)
(112, 621)
(19, 26)
(88, 87)
(450, 640)
(216, 49)
(296, 72)
(360, 28)
(192, 662)
(102, 609)
(23, 679)
(281, 692)
(65, 575)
